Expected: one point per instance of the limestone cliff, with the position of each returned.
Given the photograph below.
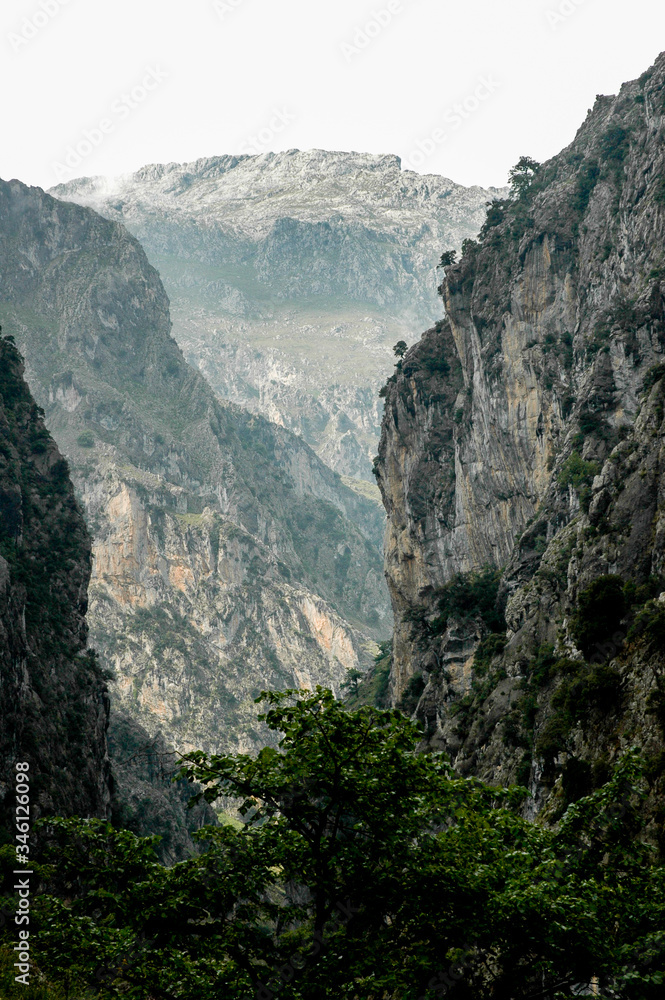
(525, 433)
(291, 275)
(227, 557)
(53, 697)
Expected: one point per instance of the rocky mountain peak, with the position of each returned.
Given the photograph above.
(291, 276)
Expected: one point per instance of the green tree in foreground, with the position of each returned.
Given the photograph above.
(364, 871)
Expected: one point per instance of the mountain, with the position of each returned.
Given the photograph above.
(227, 557)
(525, 433)
(53, 697)
(292, 275)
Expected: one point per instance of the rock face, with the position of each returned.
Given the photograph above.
(292, 275)
(525, 433)
(146, 800)
(53, 698)
(227, 557)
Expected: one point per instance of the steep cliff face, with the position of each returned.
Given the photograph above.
(146, 800)
(537, 448)
(53, 697)
(291, 275)
(228, 558)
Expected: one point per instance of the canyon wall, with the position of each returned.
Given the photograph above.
(53, 694)
(525, 433)
(227, 557)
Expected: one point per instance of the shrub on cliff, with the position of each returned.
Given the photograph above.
(579, 474)
(600, 608)
(473, 595)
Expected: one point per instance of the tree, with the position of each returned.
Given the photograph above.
(448, 258)
(364, 869)
(353, 679)
(522, 176)
(400, 348)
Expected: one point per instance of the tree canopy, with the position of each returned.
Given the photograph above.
(363, 869)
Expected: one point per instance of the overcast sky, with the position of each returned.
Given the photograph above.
(461, 89)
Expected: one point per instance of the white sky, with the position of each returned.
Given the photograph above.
(227, 70)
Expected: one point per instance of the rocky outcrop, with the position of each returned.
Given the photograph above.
(227, 557)
(53, 696)
(537, 448)
(291, 276)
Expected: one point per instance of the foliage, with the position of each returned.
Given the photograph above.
(614, 144)
(374, 687)
(522, 176)
(492, 645)
(576, 472)
(586, 181)
(400, 348)
(579, 474)
(350, 837)
(649, 626)
(600, 608)
(448, 258)
(466, 597)
(86, 440)
(472, 595)
(659, 194)
(469, 247)
(353, 679)
(653, 375)
(412, 693)
(496, 213)
(383, 391)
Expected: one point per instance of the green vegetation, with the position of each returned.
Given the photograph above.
(600, 608)
(659, 192)
(373, 688)
(448, 258)
(649, 626)
(604, 604)
(579, 474)
(614, 145)
(585, 184)
(414, 689)
(362, 870)
(522, 176)
(470, 595)
(589, 686)
(492, 645)
(369, 491)
(86, 440)
(653, 375)
(352, 682)
(583, 690)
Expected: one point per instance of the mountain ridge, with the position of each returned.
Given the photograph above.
(292, 275)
